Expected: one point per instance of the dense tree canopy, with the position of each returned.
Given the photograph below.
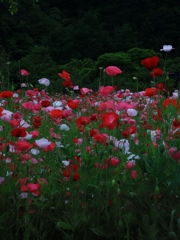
(82, 29)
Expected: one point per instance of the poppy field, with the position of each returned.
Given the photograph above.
(90, 164)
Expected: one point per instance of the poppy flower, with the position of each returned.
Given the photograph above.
(56, 113)
(93, 132)
(128, 131)
(150, 63)
(42, 143)
(50, 147)
(149, 92)
(22, 145)
(156, 72)
(18, 132)
(72, 171)
(176, 123)
(34, 188)
(112, 161)
(45, 103)
(109, 120)
(73, 104)
(68, 84)
(113, 70)
(24, 73)
(84, 91)
(160, 86)
(167, 48)
(105, 91)
(64, 75)
(82, 121)
(15, 122)
(134, 174)
(1, 110)
(6, 94)
(37, 121)
(173, 102)
(44, 81)
(174, 153)
(101, 138)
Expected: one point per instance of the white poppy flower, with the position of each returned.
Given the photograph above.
(167, 48)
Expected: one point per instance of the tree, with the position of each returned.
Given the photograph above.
(13, 5)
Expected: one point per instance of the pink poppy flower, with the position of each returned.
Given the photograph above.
(105, 91)
(44, 81)
(113, 70)
(24, 72)
(174, 153)
(84, 91)
(1, 180)
(42, 143)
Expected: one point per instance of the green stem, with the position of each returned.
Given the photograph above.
(112, 81)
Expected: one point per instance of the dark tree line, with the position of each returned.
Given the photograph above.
(79, 29)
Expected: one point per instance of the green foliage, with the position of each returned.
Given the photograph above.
(83, 72)
(138, 54)
(5, 68)
(13, 5)
(40, 65)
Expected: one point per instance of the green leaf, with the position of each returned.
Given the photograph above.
(63, 225)
(99, 231)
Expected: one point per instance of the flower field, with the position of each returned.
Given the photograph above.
(90, 164)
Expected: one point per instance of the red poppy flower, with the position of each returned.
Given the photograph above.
(101, 138)
(156, 72)
(37, 121)
(173, 102)
(109, 120)
(176, 123)
(150, 63)
(18, 132)
(73, 104)
(68, 84)
(22, 145)
(112, 161)
(150, 92)
(64, 75)
(82, 121)
(6, 94)
(128, 131)
(160, 86)
(56, 113)
(93, 132)
(1, 110)
(50, 147)
(45, 103)
(72, 171)
(76, 176)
